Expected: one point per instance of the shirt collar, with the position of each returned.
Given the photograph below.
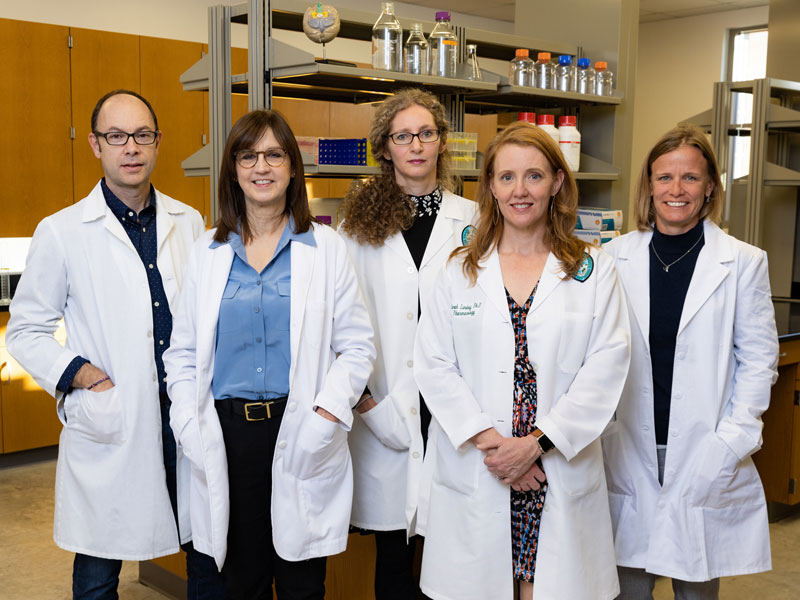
(288, 235)
(117, 206)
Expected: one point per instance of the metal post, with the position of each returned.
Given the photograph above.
(219, 94)
(758, 144)
(259, 24)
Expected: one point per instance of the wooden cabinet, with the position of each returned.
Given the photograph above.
(36, 169)
(778, 461)
(27, 413)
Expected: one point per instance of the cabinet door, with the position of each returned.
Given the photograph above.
(29, 417)
(180, 115)
(101, 62)
(36, 169)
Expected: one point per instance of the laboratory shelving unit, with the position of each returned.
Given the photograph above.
(279, 69)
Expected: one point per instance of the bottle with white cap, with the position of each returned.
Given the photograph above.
(548, 124)
(569, 140)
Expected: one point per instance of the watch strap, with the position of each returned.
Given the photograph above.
(544, 442)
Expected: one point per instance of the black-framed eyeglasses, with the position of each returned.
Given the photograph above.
(120, 138)
(404, 138)
(248, 158)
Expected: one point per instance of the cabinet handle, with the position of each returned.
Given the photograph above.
(782, 355)
(4, 365)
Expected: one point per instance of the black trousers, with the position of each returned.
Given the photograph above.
(252, 563)
(394, 566)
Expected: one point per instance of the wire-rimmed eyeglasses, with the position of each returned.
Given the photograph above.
(403, 138)
(274, 157)
(120, 138)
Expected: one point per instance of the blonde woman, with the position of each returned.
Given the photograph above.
(521, 355)
(399, 227)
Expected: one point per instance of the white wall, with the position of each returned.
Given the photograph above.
(679, 62)
(188, 20)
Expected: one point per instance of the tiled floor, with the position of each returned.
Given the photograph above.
(32, 567)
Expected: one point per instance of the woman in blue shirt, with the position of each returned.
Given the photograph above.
(271, 346)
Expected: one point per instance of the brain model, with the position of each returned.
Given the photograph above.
(321, 23)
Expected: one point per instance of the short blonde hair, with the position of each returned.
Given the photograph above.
(685, 134)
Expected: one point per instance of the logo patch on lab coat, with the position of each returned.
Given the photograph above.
(467, 234)
(586, 268)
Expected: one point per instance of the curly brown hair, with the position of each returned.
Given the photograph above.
(377, 208)
(561, 215)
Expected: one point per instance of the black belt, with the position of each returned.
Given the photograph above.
(253, 411)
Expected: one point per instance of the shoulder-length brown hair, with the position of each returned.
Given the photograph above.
(378, 208)
(685, 134)
(245, 135)
(561, 214)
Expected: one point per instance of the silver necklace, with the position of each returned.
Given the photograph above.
(666, 266)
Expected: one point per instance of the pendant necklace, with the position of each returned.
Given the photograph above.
(666, 266)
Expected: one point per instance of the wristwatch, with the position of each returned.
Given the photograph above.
(544, 442)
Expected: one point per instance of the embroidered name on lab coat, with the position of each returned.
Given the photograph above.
(465, 310)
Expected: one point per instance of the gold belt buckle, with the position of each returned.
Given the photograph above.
(250, 405)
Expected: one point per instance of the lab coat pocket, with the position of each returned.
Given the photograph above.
(322, 448)
(315, 329)
(578, 477)
(575, 331)
(457, 468)
(98, 416)
(721, 480)
(387, 425)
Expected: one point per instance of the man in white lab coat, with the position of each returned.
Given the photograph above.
(111, 265)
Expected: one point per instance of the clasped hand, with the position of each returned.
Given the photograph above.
(513, 460)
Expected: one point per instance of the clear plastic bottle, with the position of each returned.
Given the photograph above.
(387, 40)
(604, 84)
(586, 77)
(520, 69)
(443, 47)
(569, 140)
(473, 70)
(544, 72)
(565, 74)
(548, 124)
(416, 51)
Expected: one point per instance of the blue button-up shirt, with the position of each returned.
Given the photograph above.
(252, 356)
(141, 230)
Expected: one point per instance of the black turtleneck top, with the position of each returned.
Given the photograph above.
(667, 294)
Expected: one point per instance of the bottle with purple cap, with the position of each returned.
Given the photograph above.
(443, 47)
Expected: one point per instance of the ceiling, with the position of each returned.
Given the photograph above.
(649, 10)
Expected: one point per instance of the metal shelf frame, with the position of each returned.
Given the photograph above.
(278, 69)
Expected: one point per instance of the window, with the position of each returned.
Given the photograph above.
(747, 59)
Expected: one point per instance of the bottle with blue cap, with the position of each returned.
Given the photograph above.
(587, 76)
(565, 74)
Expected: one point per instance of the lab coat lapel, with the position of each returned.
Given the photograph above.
(96, 208)
(397, 244)
(302, 267)
(490, 279)
(709, 273)
(442, 231)
(164, 220)
(634, 269)
(550, 279)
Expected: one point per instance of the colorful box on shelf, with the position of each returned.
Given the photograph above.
(309, 145)
(462, 141)
(371, 162)
(596, 237)
(343, 151)
(598, 219)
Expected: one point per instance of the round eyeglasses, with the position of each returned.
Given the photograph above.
(274, 157)
(404, 138)
(120, 138)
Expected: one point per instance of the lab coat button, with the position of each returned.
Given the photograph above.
(410, 270)
(415, 455)
(546, 507)
(410, 316)
(674, 434)
(282, 444)
(155, 377)
(678, 395)
(292, 406)
(413, 410)
(410, 364)
(646, 427)
(149, 334)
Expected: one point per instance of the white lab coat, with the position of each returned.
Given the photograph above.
(331, 357)
(386, 442)
(111, 493)
(710, 518)
(464, 355)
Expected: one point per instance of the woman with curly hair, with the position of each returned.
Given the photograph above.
(400, 227)
(521, 354)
